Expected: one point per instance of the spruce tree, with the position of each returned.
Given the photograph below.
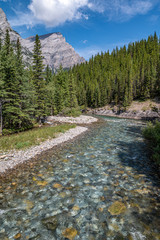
(11, 109)
(24, 89)
(0, 44)
(48, 75)
(72, 103)
(38, 79)
(50, 100)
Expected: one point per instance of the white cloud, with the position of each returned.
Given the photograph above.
(53, 13)
(56, 12)
(154, 19)
(123, 9)
(85, 41)
(23, 19)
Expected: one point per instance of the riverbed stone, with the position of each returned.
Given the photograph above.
(29, 205)
(117, 208)
(42, 183)
(17, 236)
(51, 223)
(70, 233)
(57, 185)
(119, 236)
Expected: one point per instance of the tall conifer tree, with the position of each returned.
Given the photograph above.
(38, 79)
(11, 110)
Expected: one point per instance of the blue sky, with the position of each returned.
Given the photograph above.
(90, 26)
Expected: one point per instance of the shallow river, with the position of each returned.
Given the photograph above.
(100, 187)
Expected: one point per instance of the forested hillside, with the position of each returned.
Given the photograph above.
(127, 73)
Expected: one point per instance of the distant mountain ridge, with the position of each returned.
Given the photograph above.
(42, 37)
(55, 50)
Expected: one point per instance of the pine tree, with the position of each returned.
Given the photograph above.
(0, 44)
(72, 103)
(60, 87)
(48, 75)
(11, 109)
(23, 91)
(50, 100)
(38, 79)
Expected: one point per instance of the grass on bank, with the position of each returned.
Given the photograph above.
(152, 134)
(32, 137)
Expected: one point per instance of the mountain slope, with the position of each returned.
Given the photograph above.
(56, 50)
(4, 25)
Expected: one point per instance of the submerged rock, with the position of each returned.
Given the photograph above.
(70, 233)
(119, 236)
(57, 185)
(17, 236)
(51, 223)
(29, 205)
(117, 208)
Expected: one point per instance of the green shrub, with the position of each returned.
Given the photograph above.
(152, 134)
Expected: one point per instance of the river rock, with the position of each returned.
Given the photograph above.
(117, 208)
(70, 233)
(51, 223)
(17, 236)
(119, 236)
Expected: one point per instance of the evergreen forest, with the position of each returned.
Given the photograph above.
(28, 95)
(121, 76)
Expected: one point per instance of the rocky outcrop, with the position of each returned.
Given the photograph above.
(56, 51)
(143, 115)
(4, 25)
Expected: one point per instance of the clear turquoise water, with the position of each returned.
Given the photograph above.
(74, 188)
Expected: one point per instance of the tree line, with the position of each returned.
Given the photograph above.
(29, 94)
(121, 76)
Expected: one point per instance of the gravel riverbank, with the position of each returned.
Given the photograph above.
(78, 120)
(14, 158)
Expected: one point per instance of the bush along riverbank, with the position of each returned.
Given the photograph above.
(152, 135)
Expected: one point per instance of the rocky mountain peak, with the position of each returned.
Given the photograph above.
(4, 24)
(56, 50)
(2, 16)
(42, 37)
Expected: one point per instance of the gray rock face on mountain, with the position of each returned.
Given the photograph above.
(4, 25)
(56, 51)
